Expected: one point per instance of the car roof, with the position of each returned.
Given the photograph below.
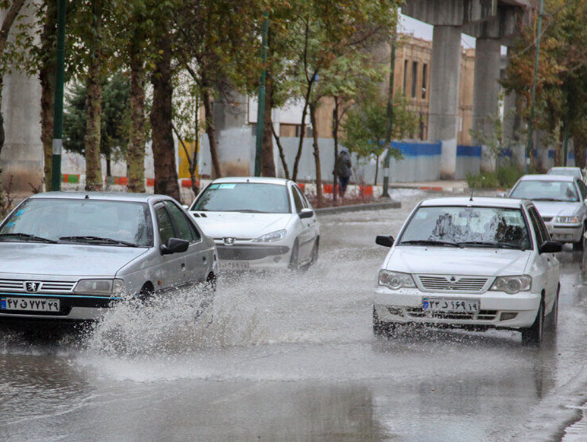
(251, 179)
(565, 168)
(548, 178)
(112, 196)
(475, 201)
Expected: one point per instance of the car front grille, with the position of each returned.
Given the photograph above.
(482, 315)
(452, 283)
(19, 285)
(547, 219)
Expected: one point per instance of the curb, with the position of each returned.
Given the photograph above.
(432, 188)
(358, 207)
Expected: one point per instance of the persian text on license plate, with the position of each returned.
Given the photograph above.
(450, 305)
(30, 304)
(233, 265)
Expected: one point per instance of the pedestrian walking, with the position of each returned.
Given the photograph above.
(343, 170)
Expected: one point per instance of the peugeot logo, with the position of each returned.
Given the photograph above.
(229, 241)
(453, 279)
(32, 286)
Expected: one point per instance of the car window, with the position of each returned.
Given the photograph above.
(55, 218)
(539, 190)
(244, 197)
(164, 224)
(582, 189)
(297, 199)
(467, 226)
(185, 229)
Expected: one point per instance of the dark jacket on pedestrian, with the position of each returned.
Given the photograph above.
(343, 165)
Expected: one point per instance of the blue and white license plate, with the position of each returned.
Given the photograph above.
(450, 305)
(30, 304)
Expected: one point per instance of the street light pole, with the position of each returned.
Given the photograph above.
(388, 129)
(530, 145)
(58, 107)
(261, 99)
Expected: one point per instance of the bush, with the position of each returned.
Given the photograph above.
(502, 178)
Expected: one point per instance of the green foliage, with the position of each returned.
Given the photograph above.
(115, 117)
(503, 178)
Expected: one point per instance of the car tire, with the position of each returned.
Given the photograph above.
(294, 260)
(553, 315)
(146, 293)
(381, 328)
(532, 336)
(579, 245)
(314, 255)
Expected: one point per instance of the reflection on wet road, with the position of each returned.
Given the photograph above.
(291, 357)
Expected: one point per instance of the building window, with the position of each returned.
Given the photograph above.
(424, 80)
(405, 77)
(414, 78)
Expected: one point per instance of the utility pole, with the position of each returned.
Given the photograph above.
(261, 99)
(530, 145)
(58, 108)
(388, 129)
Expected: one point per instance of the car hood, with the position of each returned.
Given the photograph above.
(242, 225)
(556, 208)
(64, 259)
(449, 261)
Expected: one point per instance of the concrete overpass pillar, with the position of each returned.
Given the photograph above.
(444, 93)
(485, 97)
(512, 122)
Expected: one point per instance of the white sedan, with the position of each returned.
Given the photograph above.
(472, 263)
(258, 223)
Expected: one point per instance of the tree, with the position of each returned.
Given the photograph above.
(366, 123)
(114, 130)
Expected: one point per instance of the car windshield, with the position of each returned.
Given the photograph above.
(538, 190)
(244, 197)
(88, 221)
(565, 172)
(467, 227)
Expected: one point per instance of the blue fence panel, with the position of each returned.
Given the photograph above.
(468, 151)
(418, 149)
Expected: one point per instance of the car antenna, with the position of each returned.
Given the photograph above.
(473, 189)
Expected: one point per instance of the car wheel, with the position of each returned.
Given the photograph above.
(294, 260)
(146, 293)
(553, 315)
(533, 334)
(580, 245)
(314, 255)
(381, 328)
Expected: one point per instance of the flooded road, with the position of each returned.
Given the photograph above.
(293, 357)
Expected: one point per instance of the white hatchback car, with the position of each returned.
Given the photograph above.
(473, 263)
(258, 223)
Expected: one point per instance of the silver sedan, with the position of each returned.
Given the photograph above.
(65, 256)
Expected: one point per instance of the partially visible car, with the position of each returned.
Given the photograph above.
(561, 201)
(258, 223)
(67, 256)
(567, 171)
(473, 263)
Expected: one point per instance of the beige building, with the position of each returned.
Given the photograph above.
(411, 78)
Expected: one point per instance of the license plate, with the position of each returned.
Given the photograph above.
(30, 304)
(450, 305)
(227, 266)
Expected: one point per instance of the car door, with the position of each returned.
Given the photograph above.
(546, 261)
(196, 257)
(172, 266)
(583, 193)
(305, 236)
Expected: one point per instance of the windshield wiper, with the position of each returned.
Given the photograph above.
(249, 211)
(29, 237)
(497, 245)
(430, 242)
(97, 239)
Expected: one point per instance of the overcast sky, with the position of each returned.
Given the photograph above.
(423, 30)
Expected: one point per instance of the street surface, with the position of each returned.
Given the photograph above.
(292, 357)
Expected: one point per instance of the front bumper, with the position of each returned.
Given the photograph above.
(565, 232)
(405, 307)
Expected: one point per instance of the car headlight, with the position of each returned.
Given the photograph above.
(278, 235)
(512, 284)
(566, 219)
(100, 287)
(395, 280)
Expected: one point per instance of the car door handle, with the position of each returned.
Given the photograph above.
(204, 258)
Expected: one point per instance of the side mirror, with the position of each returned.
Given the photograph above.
(550, 247)
(384, 240)
(174, 245)
(306, 213)
(185, 207)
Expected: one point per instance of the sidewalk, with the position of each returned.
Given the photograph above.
(458, 186)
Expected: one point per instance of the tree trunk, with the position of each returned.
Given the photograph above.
(316, 154)
(166, 179)
(94, 104)
(267, 163)
(376, 169)
(294, 175)
(3, 202)
(135, 156)
(211, 132)
(281, 152)
(47, 79)
(335, 126)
